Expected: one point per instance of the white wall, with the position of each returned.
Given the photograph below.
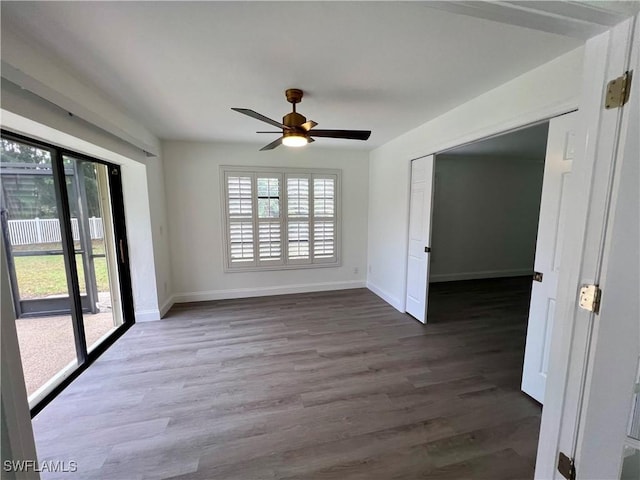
(140, 241)
(195, 220)
(26, 63)
(39, 87)
(548, 90)
(485, 216)
(159, 232)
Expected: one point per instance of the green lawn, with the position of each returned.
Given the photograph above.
(41, 276)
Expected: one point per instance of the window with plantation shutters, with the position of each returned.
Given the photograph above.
(298, 235)
(269, 219)
(280, 218)
(240, 206)
(324, 217)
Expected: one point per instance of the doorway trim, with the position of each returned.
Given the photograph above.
(598, 130)
(520, 122)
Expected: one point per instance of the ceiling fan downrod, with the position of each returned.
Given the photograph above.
(294, 119)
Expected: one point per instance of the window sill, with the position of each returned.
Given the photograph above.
(271, 268)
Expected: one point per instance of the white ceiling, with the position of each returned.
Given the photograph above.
(178, 67)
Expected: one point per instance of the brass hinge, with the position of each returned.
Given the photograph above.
(618, 91)
(566, 467)
(589, 299)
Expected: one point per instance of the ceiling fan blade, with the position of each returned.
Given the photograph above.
(263, 131)
(309, 125)
(347, 134)
(272, 145)
(259, 116)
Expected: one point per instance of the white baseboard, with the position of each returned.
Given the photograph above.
(166, 306)
(390, 299)
(147, 315)
(155, 314)
(451, 277)
(264, 291)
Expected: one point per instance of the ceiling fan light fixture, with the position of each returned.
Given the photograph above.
(294, 139)
(297, 131)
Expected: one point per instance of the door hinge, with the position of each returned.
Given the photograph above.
(566, 467)
(618, 91)
(537, 276)
(589, 299)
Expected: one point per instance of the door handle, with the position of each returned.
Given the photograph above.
(537, 277)
(427, 249)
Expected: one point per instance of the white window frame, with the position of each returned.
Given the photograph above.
(282, 173)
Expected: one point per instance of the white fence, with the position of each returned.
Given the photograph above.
(47, 230)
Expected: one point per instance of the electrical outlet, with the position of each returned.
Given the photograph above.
(356, 270)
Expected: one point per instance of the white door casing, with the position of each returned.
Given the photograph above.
(420, 206)
(557, 170)
(615, 342)
(573, 422)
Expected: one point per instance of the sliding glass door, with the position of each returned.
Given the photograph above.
(64, 236)
(95, 247)
(31, 230)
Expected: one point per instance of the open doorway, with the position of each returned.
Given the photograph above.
(486, 228)
(485, 234)
(486, 206)
(494, 232)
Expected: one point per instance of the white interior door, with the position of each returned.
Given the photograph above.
(420, 206)
(557, 169)
(609, 438)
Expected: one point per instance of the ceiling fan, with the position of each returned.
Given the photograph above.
(296, 130)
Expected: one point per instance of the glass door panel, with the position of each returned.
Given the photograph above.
(31, 228)
(95, 247)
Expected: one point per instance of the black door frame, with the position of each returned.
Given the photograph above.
(85, 358)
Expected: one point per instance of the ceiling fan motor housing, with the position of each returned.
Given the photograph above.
(293, 119)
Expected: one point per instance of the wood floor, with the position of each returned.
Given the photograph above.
(333, 385)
